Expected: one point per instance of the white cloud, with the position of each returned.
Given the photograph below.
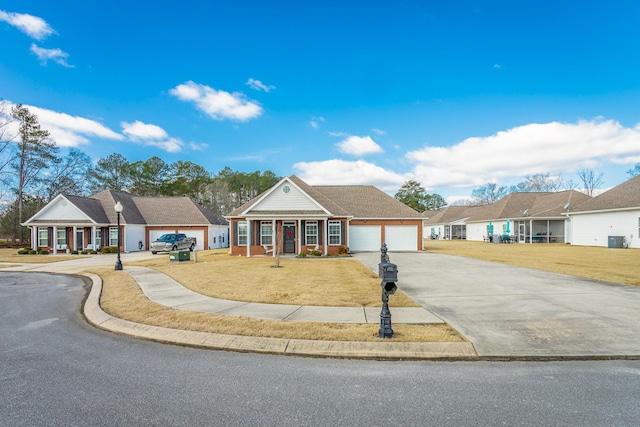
(55, 55)
(151, 135)
(198, 147)
(341, 172)
(258, 85)
(217, 104)
(33, 26)
(140, 131)
(378, 131)
(71, 131)
(359, 146)
(315, 122)
(554, 148)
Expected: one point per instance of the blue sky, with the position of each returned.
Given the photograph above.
(453, 94)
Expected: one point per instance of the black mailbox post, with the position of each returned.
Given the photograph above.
(388, 272)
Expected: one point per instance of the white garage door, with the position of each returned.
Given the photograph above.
(198, 234)
(155, 234)
(401, 237)
(364, 238)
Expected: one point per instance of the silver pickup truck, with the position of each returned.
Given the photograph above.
(173, 242)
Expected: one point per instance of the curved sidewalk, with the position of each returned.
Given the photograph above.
(384, 349)
(163, 290)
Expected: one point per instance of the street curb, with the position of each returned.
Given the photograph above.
(294, 347)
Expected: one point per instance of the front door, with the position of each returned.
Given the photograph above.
(289, 237)
(79, 239)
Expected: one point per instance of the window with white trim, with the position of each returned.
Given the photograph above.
(98, 238)
(113, 236)
(311, 232)
(62, 236)
(43, 237)
(266, 233)
(335, 232)
(242, 233)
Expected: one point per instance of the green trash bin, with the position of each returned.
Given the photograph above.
(178, 256)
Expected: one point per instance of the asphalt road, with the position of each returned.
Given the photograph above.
(57, 370)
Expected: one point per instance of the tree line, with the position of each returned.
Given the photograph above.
(33, 171)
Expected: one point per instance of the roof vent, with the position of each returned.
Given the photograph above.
(526, 212)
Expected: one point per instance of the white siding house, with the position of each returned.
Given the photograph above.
(613, 214)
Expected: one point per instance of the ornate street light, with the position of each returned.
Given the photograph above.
(118, 208)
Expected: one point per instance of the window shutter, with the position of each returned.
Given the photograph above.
(235, 233)
(320, 228)
(343, 224)
(303, 232)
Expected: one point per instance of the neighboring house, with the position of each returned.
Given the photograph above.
(80, 223)
(447, 223)
(294, 217)
(611, 219)
(533, 217)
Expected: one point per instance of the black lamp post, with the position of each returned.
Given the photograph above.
(118, 208)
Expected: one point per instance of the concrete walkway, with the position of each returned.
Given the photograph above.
(515, 312)
(163, 290)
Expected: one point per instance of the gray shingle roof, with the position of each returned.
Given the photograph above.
(358, 201)
(145, 210)
(625, 195)
(513, 205)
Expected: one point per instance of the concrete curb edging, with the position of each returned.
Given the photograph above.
(358, 350)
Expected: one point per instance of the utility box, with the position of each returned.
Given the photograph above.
(178, 256)
(616, 241)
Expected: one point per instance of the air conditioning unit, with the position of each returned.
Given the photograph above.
(616, 241)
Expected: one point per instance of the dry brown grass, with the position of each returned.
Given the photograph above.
(122, 298)
(11, 255)
(334, 282)
(611, 265)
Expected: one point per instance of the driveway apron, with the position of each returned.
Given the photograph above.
(511, 311)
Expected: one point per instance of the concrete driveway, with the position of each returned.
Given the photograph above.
(511, 311)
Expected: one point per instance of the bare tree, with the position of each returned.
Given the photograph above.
(7, 151)
(590, 180)
(543, 182)
(35, 152)
(488, 193)
(634, 171)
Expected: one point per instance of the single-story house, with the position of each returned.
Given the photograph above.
(611, 219)
(294, 217)
(527, 217)
(81, 223)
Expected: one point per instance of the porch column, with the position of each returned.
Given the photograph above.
(299, 228)
(34, 238)
(274, 237)
(326, 236)
(248, 238)
(55, 239)
(548, 234)
(93, 237)
(75, 238)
